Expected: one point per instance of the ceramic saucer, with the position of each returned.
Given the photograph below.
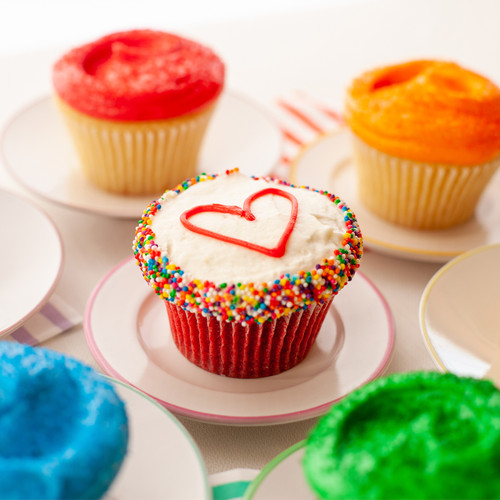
(162, 460)
(282, 478)
(326, 164)
(31, 258)
(459, 316)
(241, 134)
(127, 330)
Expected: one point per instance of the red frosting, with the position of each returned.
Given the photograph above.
(246, 213)
(139, 75)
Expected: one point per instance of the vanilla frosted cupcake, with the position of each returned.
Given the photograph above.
(247, 268)
(137, 104)
(426, 141)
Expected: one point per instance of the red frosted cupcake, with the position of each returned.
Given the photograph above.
(137, 104)
(247, 268)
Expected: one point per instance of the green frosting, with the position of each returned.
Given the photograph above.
(415, 435)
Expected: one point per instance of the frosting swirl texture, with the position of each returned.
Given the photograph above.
(428, 111)
(413, 435)
(139, 75)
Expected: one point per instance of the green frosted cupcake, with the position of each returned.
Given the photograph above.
(415, 435)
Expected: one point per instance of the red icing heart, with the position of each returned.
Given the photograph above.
(246, 213)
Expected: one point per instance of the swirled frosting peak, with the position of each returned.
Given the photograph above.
(428, 111)
(409, 435)
(139, 75)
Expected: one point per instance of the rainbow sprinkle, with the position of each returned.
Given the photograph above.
(247, 303)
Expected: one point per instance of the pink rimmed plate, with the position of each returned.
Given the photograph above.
(31, 259)
(128, 332)
(326, 164)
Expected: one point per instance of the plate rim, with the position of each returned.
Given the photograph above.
(270, 466)
(217, 418)
(424, 299)
(89, 209)
(176, 422)
(436, 256)
(55, 281)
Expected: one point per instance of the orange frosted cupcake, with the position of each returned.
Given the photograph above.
(426, 141)
(137, 104)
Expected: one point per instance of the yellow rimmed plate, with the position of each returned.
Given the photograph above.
(459, 316)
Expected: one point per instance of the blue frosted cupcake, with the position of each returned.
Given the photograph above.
(63, 428)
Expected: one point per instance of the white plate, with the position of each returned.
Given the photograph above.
(241, 134)
(162, 461)
(127, 330)
(326, 164)
(31, 257)
(459, 315)
(282, 478)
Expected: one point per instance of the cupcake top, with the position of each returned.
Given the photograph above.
(63, 428)
(428, 111)
(246, 249)
(414, 435)
(139, 75)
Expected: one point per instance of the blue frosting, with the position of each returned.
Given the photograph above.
(63, 428)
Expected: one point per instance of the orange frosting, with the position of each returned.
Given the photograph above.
(427, 111)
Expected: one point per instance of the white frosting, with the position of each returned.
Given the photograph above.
(318, 231)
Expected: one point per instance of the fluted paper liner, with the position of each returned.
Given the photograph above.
(228, 348)
(137, 158)
(418, 195)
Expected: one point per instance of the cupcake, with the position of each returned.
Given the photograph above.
(247, 268)
(415, 435)
(426, 141)
(63, 429)
(137, 105)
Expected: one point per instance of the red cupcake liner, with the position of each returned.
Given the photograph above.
(251, 351)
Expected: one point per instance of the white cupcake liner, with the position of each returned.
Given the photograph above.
(137, 158)
(415, 194)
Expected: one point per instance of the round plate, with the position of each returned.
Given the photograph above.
(162, 460)
(31, 258)
(459, 312)
(327, 164)
(241, 134)
(282, 478)
(128, 332)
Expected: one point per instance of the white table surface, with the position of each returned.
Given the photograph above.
(318, 51)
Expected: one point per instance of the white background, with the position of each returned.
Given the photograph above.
(27, 25)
